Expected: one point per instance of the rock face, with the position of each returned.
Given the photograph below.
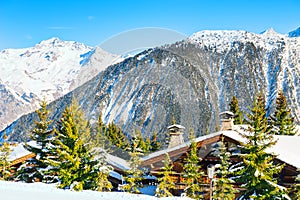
(192, 80)
(48, 70)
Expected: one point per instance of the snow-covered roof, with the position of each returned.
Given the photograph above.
(117, 162)
(164, 151)
(287, 147)
(19, 151)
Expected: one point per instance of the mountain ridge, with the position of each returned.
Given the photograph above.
(47, 70)
(191, 80)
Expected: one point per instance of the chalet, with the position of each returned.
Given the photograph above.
(286, 149)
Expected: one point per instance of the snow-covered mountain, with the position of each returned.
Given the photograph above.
(192, 80)
(295, 33)
(245, 63)
(48, 70)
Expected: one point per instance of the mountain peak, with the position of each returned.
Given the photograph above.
(295, 33)
(269, 31)
(54, 41)
(57, 42)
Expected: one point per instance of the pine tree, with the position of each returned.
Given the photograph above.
(192, 170)
(224, 189)
(116, 136)
(234, 108)
(5, 150)
(35, 169)
(102, 150)
(143, 144)
(173, 120)
(258, 169)
(155, 144)
(297, 195)
(74, 164)
(165, 182)
(282, 117)
(148, 145)
(134, 174)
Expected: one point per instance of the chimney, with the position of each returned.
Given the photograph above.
(176, 135)
(227, 119)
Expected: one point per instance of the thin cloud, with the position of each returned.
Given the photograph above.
(59, 27)
(28, 37)
(91, 17)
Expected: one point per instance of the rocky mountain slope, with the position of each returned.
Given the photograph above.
(192, 80)
(48, 70)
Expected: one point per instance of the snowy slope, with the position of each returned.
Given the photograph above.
(269, 62)
(37, 191)
(192, 80)
(48, 70)
(295, 33)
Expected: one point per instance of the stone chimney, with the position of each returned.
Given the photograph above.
(176, 135)
(227, 119)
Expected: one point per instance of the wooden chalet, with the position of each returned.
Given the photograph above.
(286, 149)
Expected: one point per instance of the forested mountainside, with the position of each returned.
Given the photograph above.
(192, 80)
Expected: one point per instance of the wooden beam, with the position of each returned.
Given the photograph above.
(22, 159)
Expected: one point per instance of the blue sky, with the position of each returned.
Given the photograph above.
(24, 23)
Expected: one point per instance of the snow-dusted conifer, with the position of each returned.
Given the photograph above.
(134, 174)
(282, 118)
(297, 186)
(74, 163)
(36, 168)
(256, 175)
(101, 150)
(234, 108)
(155, 144)
(5, 150)
(116, 136)
(192, 170)
(224, 189)
(165, 182)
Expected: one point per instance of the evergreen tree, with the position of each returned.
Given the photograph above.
(258, 169)
(224, 189)
(134, 174)
(155, 144)
(116, 136)
(192, 170)
(282, 117)
(234, 108)
(99, 138)
(143, 144)
(297, 187)
(35, 169)
(5, 150)
(74, 164)
(173, 120)
(165, 182)
(101, 149)
(148, 145)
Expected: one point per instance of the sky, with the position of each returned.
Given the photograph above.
(24, 23)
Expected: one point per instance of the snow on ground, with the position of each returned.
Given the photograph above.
(38, 191)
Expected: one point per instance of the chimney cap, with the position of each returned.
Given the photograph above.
(176, 126)
(226, 115)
